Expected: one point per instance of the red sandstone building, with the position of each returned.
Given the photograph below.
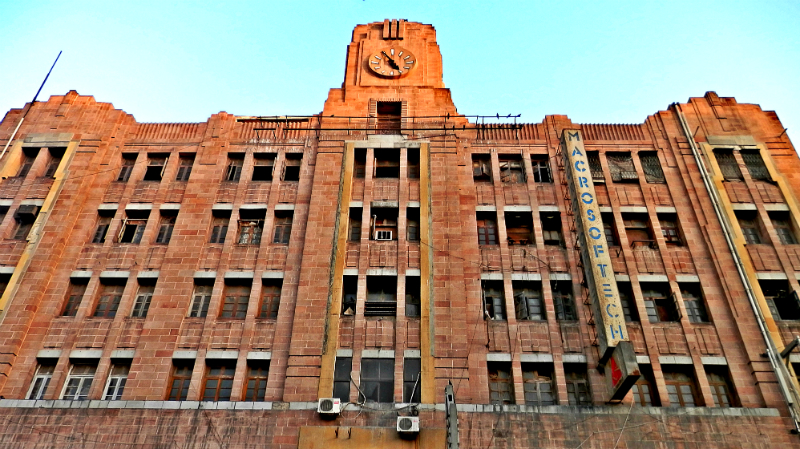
(206, 284)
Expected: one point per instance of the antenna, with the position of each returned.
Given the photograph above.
(11, 139)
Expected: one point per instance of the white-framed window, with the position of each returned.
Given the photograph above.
(41, 380)
(79, 381)
(115, 385)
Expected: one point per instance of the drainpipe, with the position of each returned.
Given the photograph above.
(790, 394)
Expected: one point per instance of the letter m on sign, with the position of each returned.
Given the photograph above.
(575, 135)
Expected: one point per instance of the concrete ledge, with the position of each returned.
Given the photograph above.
(384, 204)
(272, 275)
(708, 360)
(485, 209)
(48, 354)
(115, 274)
(222, 207)
(170, 206)
(633, 209)
(666, 210)
(687, 278)
(356, 204)
(653, 278)
(645, 359)
(413, 272)
(560, 277)
(350, 272)
(772, 276)
(517, 208)
(184, 354)
(123, 353)
(730, 140)
(80, 274)
(526, 277)
(226, 355)
(606, 209)
(548, 209)
(205, 274)
(412, 204)
(412, 354)
(377, 354)
(259, 355)
(743, 206)
(622, 278)
(495, 357)
(674, 360)
(284, 207)
(344, 353)
(39, 203)
(382, 272)
(536, 358)
(573, 358)
(86, 354)
(108, 206)
(139, 206)
(253, 207)
(491, 276)
(239, 275)
(147, 275)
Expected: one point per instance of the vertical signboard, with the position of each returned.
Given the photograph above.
(612, 335)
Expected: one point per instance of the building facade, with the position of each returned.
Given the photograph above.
(206, 284)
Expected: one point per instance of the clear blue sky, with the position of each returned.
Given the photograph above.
(597, 62)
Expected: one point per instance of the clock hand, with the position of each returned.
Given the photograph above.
(391, 61)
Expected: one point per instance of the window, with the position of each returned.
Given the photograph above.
(377, 379)
(156, 164)
(25, 216)
(413, 304)
(201, 298)
(29, 156)
(349, 293)
(256, 381)
(235, 299)
(481, 168)
(103, 223)
(165, 228)
(218, 383)
(270, 298)
(651, 167)
(4, 279)
(283, 227)
(387, 163)
(487, 228)
(412, 155)
(511, 169)
(341, 378)
(41, 380)
(180, 379)
(643, 391)
(728, 165)
(593, 157)
(519, 228)
(185, 167)
(250, 232)
(235, 164)
(128, 161)
(412, 376)
(720, 385)
(115, 385)
(291, 167)
(658, 302)
(781, 300)
(56, 154)
(528, 300)
(626, 300)
(77, 288)
(219, 226)
(381, 296)
(143, 298)
(693, 302)
(110, 296)
(360, 166)
(782, 223)
(79, 381)
(551, 229)
(541, 168)
(263, 166)
(681, 388)
(748, 222)
(384, 223)
(412, 224)
(577, 385)
(537, 382)
(755, 165)
(354, 232)
(563, 301)
(621, 167)
(501, 387)
(669, 229)
(133, 226)
(638, 230)
(493, 300)
(389, 117)
(609, 229)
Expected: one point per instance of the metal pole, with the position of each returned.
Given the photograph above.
(11, 139)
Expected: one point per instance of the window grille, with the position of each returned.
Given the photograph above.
(621, 167)
(593, 157)
(651, 167)
(755, 165)
(728, 165)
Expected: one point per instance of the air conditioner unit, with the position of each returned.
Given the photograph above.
(408, 426)
(383, 235)
(329, 407)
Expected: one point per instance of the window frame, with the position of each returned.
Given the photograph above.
(180, 379)
(75, 294)
(379, 387)
(540, 165)
(144, 297)
(501, 383)
(256, 381)
(108, 299)
(535, 376)
(77, 385)
(270, 301)
(115, 384)
(235, 300)
(222, 380)
(41, 379)
(201, 299)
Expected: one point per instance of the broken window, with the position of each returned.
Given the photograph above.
(291, 167)
(563, 302)
(487, 228)
(387, 163)
(263, 166)
(389, 117)
(133, 226)
(412, 296)
(412, 155)
(381, 296)
(185, 167)
(595, 167)
(156, 164)
(412, 224)
(658, 302)
(519, 228)
(511, 169)
(283, 226)
(537, 381)
(637, 229)
(651, 167)
(748, 222)
(782, 223)
(541, 168)
(693, 303)
(384, 224)
(481, 168)
(528, 302)
(501, 386)
(728, 165)
(251, 226)
(551, 228)
(128, 161)
(235, 164)
(755, 165)
(493, 300)
(578, 390)
(669, 229)
(782, 301)
(349, 295)
(621, 167)
(355, 224)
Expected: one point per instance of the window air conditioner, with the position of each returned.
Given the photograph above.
(408, 426)
(383, 235)
(329, 407)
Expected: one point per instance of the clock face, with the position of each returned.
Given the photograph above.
(392, 62)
